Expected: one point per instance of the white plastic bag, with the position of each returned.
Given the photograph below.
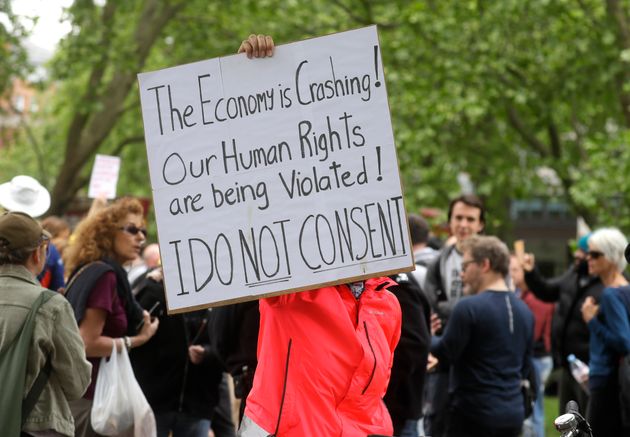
(119, 402)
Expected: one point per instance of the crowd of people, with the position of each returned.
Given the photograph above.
(472, 321)
(448, 349)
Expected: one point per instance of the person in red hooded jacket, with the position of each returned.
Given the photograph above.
(324, 355)
(324, 362)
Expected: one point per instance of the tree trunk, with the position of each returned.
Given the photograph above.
(88, 131)
(619, 20)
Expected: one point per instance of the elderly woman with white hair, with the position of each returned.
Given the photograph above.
(609, 325)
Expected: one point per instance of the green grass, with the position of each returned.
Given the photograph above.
(551, 412)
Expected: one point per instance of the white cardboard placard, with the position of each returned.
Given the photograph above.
(275, 174)
(104, 177)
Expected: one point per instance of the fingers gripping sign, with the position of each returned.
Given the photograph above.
(528, 261)
(257, 46)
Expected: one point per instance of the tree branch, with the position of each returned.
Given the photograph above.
(528, 136)
(124, 143)
(368, 19)
(94, 81)
(554, 139)
(350, 12)
(619, 19)
(153, 18)
(39, 156)
(517, 74)
(368, 10)
(130, 107)
(579, 137)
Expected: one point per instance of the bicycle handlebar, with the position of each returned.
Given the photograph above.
(572, 423)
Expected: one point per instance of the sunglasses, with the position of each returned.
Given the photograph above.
(594, 254)
(133, 230)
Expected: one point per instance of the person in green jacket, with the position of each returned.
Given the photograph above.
(23, 247)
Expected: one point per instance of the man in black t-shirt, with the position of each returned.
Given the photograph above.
(488, 342)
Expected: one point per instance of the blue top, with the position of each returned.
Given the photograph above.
(488, 341)
(52, 275)
(610, 336)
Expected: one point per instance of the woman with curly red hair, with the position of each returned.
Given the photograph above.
(99, 291)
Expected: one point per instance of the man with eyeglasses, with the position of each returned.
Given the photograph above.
(569, 332)
(488, 342)
(56, 339)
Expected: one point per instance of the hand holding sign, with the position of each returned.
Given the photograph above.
(526, 260)
(257, 46)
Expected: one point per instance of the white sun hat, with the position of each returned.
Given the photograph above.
(24, 194)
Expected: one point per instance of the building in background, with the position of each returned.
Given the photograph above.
(15, 107)
(547, 226)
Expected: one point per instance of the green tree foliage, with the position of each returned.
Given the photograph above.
(13, 59)
(497, 89)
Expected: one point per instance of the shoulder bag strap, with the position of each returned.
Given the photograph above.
(36, 389)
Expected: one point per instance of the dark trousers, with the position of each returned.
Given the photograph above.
(462, 426)
(571, 390)
(436, 403)
(222, 424)
(604, 413)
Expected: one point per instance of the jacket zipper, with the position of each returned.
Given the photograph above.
(367, 335)
(284, 388)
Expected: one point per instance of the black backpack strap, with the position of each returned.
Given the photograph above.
(36, 390)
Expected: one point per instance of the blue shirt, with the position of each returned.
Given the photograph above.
(488, 342)
(610, 336)
(52, 275)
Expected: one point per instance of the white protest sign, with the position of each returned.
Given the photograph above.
(276, 174)
(104, 177)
